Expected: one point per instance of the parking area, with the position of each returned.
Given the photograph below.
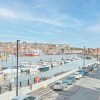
(84, 89)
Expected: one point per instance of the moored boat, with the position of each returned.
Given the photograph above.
(9, 71)
(28, 66)
(43, 68)
(33, 53)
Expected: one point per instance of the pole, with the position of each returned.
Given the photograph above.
(12, 68)
(17, 71)
(97, 54)
(84, 57)
(97, 57)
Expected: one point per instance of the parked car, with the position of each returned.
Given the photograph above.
(85, 69)
(59, 85)
(25, 97)
(95, 65)
(82, 72)
(90, 67)
(70, 80)
(77, 75)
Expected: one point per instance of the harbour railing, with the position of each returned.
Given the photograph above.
(10, 86)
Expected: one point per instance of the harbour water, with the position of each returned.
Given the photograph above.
(11, 61)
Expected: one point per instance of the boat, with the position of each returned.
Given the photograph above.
(67, 60)
(55, 63)
(44, 68)
(9, 71)
(25, 64)
(88, 57)
(33, 53)
(28, 66)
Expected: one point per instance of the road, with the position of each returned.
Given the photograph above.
(84, 89)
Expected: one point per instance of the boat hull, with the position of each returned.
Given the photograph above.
(44, 69)
(31, 55)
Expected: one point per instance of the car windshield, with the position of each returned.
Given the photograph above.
(69, 78)
(75, 74)
(83, 67)
(57, 83)
(26, 99)
(14, 99)
(31, 98)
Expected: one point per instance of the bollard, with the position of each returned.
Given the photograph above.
(36, 79)
(28, 71)
(10, 87)
(20, 84)
(0, 90)
(28, 82)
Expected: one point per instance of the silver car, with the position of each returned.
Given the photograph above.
(25, 97)
(59, 85)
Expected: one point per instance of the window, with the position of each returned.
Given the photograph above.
(25, 99)
(14, 99)
(63, 82)
(57, 83)
(31, 98)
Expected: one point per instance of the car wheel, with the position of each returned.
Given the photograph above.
(79, 78)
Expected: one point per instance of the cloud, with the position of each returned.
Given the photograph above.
(15, 36)
(10, 14)
(7, 13)
(44, 20)
(56, 19)
(93, 28)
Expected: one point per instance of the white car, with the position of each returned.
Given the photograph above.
(25, 97)
(77, 75)
(80, 74)
(59, 85)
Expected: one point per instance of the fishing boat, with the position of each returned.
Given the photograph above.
(33, 53)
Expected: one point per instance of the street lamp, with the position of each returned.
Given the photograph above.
(84, 57)
(97, 54)
(17, 70)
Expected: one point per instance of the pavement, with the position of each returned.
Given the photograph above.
(84, 89)
(41, 91)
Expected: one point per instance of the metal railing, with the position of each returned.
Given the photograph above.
(10, 86)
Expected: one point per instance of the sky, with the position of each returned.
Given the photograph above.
(73, 22)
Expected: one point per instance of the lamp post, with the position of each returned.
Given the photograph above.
(17, 70)
(97, 57)
(97, 54)
(84, 57)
